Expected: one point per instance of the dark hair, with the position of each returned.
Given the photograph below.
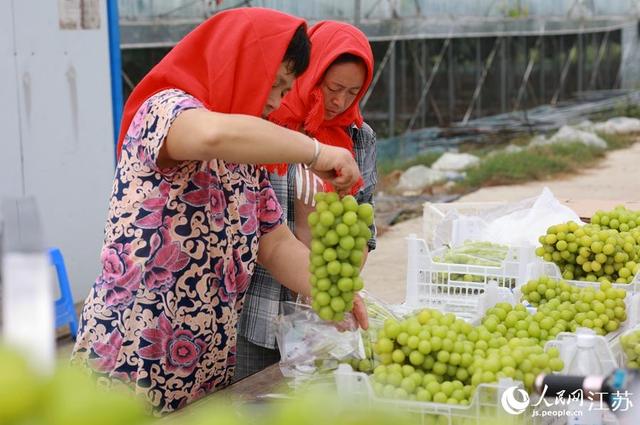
(348, 58)
(298, 52)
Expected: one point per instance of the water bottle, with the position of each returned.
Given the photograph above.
(583, 359)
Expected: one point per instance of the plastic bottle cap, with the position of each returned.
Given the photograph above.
(585, 340)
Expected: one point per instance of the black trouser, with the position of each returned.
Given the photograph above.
(252, 358)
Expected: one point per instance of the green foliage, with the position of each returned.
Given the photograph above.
(532, 164)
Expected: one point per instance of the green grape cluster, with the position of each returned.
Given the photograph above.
(478, 253)
(475, 253)
(339, 234)
(436, 357)
(631, 346)
(563, 307)
(594, 252)
(619, 218)
(67, 397)
(364, 365)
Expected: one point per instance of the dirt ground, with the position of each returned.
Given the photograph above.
(617, 178)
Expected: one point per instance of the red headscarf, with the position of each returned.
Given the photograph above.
(303, 107)
(229, 63)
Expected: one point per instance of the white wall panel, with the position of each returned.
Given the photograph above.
(66, 129)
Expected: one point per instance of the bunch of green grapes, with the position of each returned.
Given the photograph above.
(367, 363)
(593, 252)
(631, 346)
(564, 307)
(619, 218)
(476, 253)
(68, 397)
(340, 231)
(436, 357)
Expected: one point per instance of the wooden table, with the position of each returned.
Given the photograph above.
(253, 388)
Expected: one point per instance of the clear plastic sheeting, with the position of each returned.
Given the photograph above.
(164, 22)
(387, 9)
(487, 130)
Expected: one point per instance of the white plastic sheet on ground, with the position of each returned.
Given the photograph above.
(418, 177)
(618, 125)
(568, 134)
(455, 162)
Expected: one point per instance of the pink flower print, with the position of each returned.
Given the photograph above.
(107, 352)
(234, 276)
(135, 128)
(155, 206)
(269, 209)
(184, 351)
(248, 211)
(209, 192)
(120, 277)
(167, 259)
(180, 349)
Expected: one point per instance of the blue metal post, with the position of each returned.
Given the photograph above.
(116, 68)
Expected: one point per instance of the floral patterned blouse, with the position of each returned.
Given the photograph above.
(180, 248)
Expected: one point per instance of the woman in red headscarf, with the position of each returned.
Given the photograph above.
(190, 212)
(323, 103)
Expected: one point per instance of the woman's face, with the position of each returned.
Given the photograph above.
(341, 84)
(279, 88)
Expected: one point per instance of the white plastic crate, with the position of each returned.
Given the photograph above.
(484, 408)
(442, 286)
(538, 268)
(437, 232)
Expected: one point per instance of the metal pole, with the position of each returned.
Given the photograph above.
(403, 76)
(392, 92)
(378, 73)
(542, 69)
(580, 61)
(610, 79)
(425, 107)
(429, 82)
(560, 64)
(421, 77)
(452, 95)
(596, 65)
(115, 66)
(503, 75)
(563, 76)
(527, 75)
(357, 11)
(478, 74)
(476, 94)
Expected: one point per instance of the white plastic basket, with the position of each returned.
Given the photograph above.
(431, 284)
(437, 233)
(484, 408)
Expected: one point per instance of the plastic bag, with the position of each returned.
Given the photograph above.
(309, 345)
(514, 224)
